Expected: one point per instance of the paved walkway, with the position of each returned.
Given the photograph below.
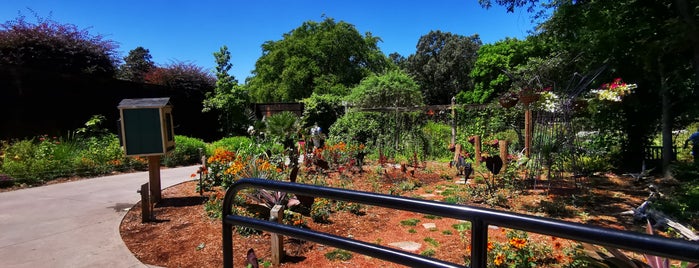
(74, 224)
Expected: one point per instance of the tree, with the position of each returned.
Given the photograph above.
(228, 98)
(323, 109)
(136, 65)
(390, 90)
(490, 72)
(314, 54)
(388, 117)
(442, 63)
(60, 48)
(191, 79)
(644, 42)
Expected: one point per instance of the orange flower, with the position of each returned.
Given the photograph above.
(518, 243)
(559, 258)
(499, 259)
(193, 175)
(490, 246)
(557, 245)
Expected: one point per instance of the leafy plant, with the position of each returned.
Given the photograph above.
(428, 252)
(409, 222)
(338, 254)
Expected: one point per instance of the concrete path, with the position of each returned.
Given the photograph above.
(74, 224)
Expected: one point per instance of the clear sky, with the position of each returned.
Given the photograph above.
(192, 30)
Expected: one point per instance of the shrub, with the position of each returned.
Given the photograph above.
(187, 152)
(233, 144)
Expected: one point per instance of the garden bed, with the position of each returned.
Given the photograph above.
(184, 236)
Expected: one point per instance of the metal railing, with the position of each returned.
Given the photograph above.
(480, 219)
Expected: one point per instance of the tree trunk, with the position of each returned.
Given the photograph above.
(683, 8)
(666, 121)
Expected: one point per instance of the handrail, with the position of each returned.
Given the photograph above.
(480, 219)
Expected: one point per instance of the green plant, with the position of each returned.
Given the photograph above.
(409, 222)
(431, 241)
(428, 252)
(412, 231)
(321, 210)
(188, 151)
(518, 251)
(338, 254)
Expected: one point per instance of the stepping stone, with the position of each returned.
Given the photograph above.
(427, 195)
(429, 225)
(406, 245)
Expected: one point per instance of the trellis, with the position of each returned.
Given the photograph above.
(555, 134)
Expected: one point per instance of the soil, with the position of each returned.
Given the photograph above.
(183, 235)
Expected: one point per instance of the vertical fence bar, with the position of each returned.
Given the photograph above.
(479, 243)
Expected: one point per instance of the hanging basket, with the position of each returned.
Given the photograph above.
(507, 102)
(527, 98)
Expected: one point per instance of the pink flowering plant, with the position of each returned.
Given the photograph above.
(613, 91)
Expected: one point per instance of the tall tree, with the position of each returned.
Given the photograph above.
(228, 98)
(136, 65)
(491, 71)
(50, 46)
(643, 42)
(316, 53)
(442, 63)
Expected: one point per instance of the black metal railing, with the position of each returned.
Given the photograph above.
(480, 219)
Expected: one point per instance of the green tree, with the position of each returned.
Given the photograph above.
(136, 65)
(228, 98)
(442, 63)
(54, 47)
(490, 72)
(644, 42)
(391, 90)
(313, 58)
(322, 109)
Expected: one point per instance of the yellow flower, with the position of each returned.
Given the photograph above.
(499, 259)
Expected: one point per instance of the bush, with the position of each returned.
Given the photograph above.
(187, 152)
(239, 144)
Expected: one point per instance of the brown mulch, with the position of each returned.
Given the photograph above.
(183, 235)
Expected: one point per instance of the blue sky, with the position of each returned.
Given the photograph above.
(191, 31)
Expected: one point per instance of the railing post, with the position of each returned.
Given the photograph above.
(479, 244)
(276, 215)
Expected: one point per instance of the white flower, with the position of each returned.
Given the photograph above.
(550, 102)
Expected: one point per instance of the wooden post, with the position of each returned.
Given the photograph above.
(477, 148)
(202, 171)
(277, 214)
(503, 153)
(146, 205)
(453, 120)
(154, 177)
(527, 131)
